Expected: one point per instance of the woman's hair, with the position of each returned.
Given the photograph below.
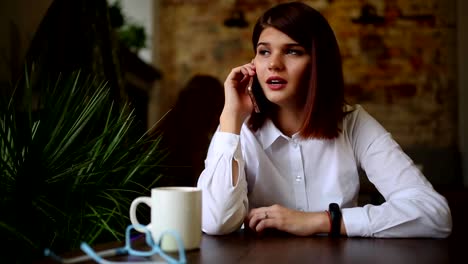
(325, 96)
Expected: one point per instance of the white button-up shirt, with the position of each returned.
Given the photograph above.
(309, 174)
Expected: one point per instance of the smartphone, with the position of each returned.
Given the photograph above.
(252, 97)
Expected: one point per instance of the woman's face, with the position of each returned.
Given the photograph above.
(282, 67)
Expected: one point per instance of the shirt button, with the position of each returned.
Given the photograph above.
(294, 142)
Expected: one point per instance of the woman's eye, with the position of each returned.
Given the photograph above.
(294, 52)
(263, 52)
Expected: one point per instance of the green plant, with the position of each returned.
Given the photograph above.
(133, 36)
(71, 163)
(130, 33)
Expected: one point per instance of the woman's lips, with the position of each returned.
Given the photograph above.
(276, 83)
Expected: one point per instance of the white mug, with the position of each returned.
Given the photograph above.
(173, 208)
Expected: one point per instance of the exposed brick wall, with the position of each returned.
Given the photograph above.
(402, 71)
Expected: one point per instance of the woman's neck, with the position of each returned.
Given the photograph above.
(289, 121)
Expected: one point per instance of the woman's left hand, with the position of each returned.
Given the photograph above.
(284, 219)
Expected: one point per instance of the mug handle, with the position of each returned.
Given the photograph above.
(133, 218)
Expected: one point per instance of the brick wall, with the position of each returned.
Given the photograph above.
(401, 68)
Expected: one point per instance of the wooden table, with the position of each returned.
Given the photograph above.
(280, 248)
(275, 247)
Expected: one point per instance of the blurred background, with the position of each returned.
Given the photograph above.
(405, 61)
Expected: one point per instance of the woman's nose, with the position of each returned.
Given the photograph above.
(275, 63)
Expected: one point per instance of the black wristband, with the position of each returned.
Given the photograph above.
(335, 215)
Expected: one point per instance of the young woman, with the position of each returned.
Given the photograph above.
(294, 165)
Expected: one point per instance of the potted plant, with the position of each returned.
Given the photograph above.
(71, 163)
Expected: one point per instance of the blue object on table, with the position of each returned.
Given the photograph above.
(154, 249)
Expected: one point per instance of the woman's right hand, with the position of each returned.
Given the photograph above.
(237, 104)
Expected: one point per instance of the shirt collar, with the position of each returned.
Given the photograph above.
(269, 133)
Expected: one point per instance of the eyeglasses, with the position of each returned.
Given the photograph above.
(128, 248)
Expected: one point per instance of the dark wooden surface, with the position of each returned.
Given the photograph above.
(274, 247)
(280, 248)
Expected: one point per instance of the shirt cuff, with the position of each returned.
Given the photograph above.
(356, 222)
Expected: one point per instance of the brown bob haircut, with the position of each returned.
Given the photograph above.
(325, 97)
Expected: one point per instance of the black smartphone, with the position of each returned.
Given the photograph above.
(252, 96)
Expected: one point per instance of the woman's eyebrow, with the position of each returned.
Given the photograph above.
(263, 44)
(294, 45)
(289, 45)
